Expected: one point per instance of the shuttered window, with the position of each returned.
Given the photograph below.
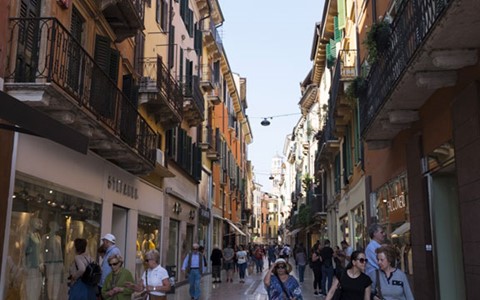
(26, 64)
(74, 52)
(171, 47)
(342, 15)
(103, 90)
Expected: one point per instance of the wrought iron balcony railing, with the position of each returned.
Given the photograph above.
(411, 26)
(191, 90)
(157, 79)
(43, 53)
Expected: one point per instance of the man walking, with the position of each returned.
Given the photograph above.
(377, 237)
(193, 264)
(216, 258)
(111, 249)
(326, 255)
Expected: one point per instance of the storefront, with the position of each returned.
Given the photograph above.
(60, 195)
(351, 222)
(393, 214)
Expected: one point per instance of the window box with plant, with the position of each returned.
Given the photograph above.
(377, 40)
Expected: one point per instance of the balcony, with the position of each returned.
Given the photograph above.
(124, 16)
(430, 41)
(213, 97)
(343, 73)
(160, 93)
(211, 143)
(213, 41)
(193, 102)
(49, 70)
(206, 78)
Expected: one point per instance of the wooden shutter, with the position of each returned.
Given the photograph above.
(342, 15)
(74, 52)
(28, 39)
(171, 47)
(198, 42)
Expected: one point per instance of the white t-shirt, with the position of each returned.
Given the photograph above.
(241, 257)
(155, 277)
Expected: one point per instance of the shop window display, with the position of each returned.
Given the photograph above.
(44, 223)
(148, 237)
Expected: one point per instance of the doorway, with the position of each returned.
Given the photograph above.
(119, 227)
(446, 234)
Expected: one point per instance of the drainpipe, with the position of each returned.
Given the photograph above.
(374, 11)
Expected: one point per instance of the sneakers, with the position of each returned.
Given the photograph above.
(316, 293)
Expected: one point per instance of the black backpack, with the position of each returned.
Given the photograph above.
(92, 274)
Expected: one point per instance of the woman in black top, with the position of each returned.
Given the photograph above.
(316, 266)
(354, 283)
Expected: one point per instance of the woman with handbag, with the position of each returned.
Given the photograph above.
(114, 286)
(352, 284)
(155, 280)
(80, 290)
(279, 284)
(389, 282)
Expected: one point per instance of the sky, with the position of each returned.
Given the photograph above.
(269, 43)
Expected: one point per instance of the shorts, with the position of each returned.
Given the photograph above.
(228, 265)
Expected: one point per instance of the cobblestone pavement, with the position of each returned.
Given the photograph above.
(252, 289)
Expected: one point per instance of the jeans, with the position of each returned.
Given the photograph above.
(194, 280)
(301, 272)
(241, 270)
(259, 263)
(327, 273)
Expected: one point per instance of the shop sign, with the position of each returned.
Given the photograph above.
(204, 215)
(121, 187)
(396, 203)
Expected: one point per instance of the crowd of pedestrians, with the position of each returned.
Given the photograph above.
(355, 274)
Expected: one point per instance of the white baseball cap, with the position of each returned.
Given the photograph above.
(109, 237)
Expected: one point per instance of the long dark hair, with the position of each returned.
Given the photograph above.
(354, 256)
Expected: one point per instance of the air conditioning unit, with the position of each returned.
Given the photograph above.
(160, 157)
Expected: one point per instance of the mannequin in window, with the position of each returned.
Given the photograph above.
(53, 259)
(151, 241)
(34, 267)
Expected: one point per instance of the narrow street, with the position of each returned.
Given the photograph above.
(252, 289)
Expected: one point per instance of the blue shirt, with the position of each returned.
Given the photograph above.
(275, 290)
(106, 269)
(371, 256)
(196, 256)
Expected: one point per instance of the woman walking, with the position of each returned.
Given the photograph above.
(242, 259)
(316, 266)
(79, 290)
(353, 282)
(114, 287)
(279, 284)
(392, 282)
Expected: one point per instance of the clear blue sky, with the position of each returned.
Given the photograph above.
(269, 42)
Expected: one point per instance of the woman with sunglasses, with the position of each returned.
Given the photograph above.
(114, 287)
(393, 283)
(155, 279)
(354, 284)
(279, 284)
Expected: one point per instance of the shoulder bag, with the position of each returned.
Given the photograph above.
(378, 287)
(338, 291)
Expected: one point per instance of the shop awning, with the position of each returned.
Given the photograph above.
(235, 227)
(402, 229)
(295, 231)
(26, 119)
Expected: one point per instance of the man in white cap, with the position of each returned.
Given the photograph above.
(193, 264)
(110, 250)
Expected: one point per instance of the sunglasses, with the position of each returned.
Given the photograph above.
(281, 267)
(114, 264)
(363, 260)
(148, 259)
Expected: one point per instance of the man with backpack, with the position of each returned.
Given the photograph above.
(110, 250)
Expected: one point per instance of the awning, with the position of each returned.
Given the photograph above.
(295, 231)
(26, 119)
(402, 229)
(235, 227)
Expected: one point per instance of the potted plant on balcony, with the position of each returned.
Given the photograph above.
(356, 89)
(377, 40)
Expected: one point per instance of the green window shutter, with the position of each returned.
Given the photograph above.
(342, 14)
(337, 175)
(337, 32)
(198, 42)
(180, 71)
(356, 138)
(171, 47)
